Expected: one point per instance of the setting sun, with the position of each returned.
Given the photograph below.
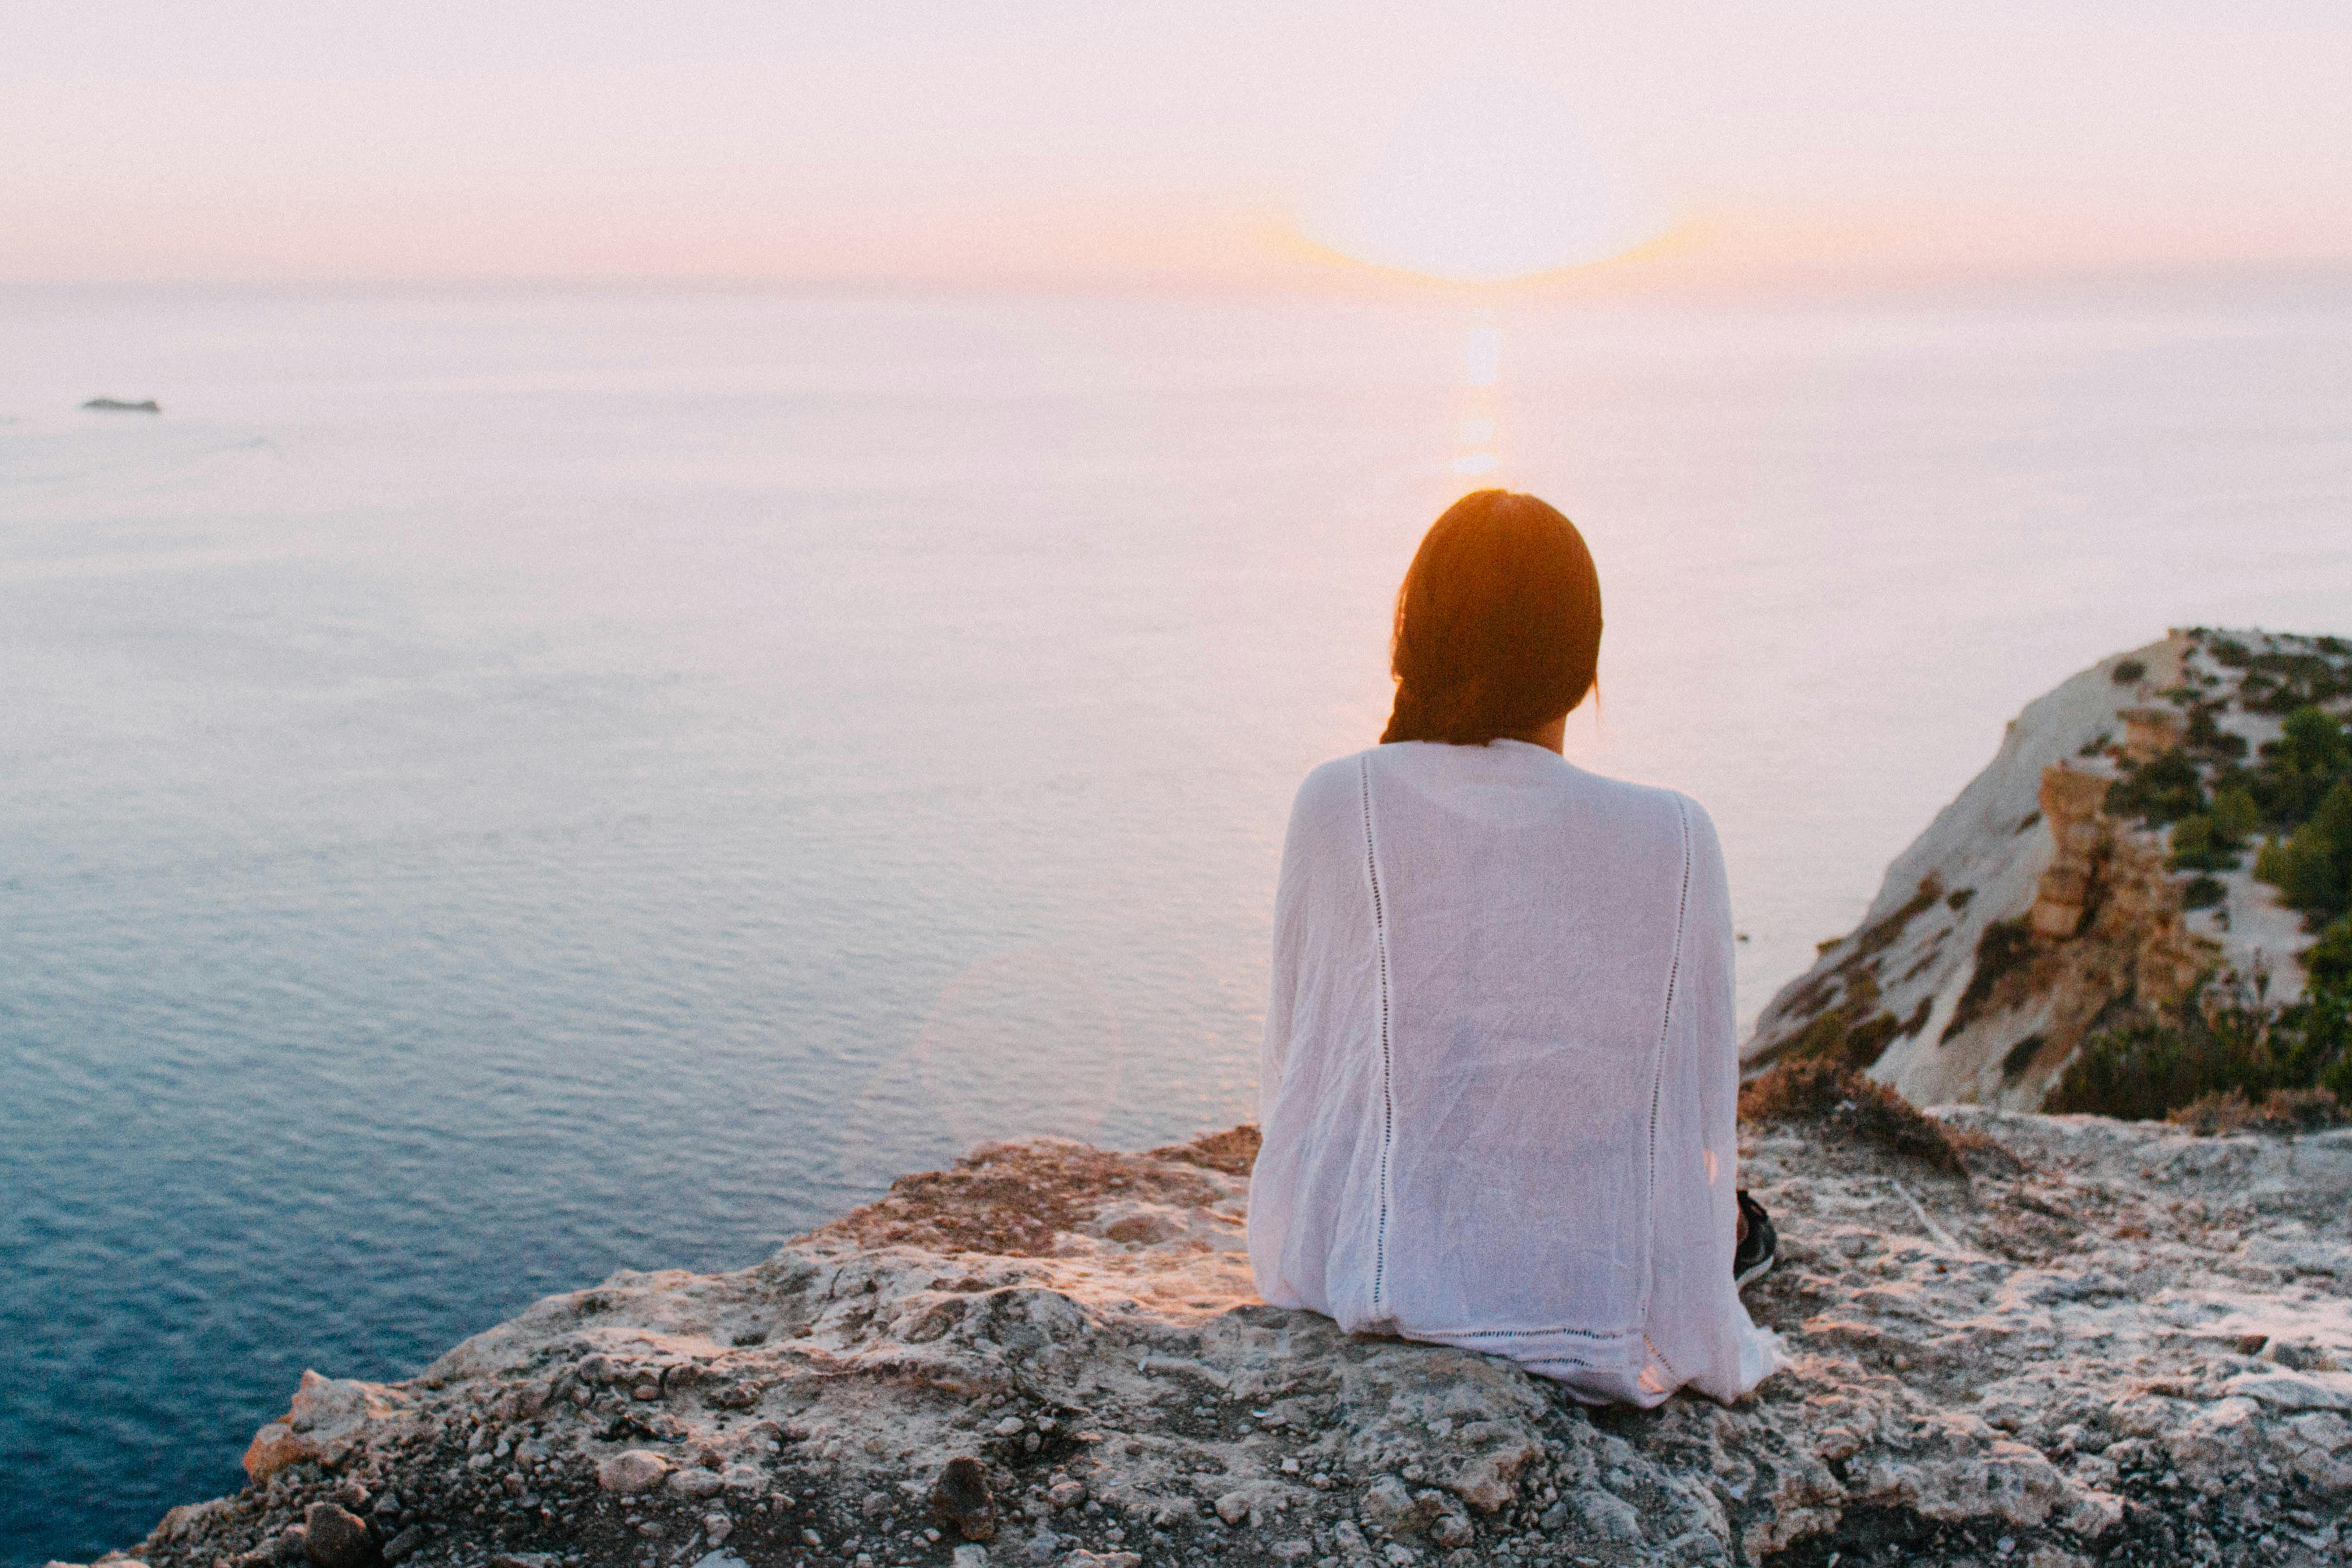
(1488, 178)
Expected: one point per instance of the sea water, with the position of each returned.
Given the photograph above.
(504, 786)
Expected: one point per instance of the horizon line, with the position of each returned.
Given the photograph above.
(1604, 283)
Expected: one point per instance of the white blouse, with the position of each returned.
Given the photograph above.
(1499, 1083)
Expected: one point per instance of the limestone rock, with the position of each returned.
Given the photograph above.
(328, 1419)
(696, 1482)
(2117, 1342)
(1611, 1518)
(334, 1537)
(194, 1520)
(960, 1498)
(632, 1470)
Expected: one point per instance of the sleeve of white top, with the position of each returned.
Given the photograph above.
(1700, 1326)
(1282, 992)
(1319, 872)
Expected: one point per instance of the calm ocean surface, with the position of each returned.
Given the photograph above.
(501, 787)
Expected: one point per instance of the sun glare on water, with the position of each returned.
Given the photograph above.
(1488, 178)
(1476, 457)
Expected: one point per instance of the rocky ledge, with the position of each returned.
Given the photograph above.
(2013, 1338)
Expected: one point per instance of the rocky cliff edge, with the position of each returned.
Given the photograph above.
(2014, 1339)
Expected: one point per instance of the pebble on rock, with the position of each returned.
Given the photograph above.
(1453, 1531)
(335, 1537)
(631, 1472)
(1610, 1516)
(696, 1482)
(961, 1497)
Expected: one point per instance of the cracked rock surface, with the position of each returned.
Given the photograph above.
(2105, 1342)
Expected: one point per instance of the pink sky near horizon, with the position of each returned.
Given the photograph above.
(1057, 144)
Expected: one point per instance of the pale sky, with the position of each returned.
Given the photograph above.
(1006, 140)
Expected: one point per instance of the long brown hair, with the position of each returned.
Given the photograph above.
(1498, 623)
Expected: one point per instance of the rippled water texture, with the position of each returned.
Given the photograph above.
(504, 787)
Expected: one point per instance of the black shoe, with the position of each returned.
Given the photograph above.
(1758, 1248)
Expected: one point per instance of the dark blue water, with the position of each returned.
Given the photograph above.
(500, 788)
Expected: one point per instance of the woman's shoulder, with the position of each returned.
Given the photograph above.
(1648, 799)
(1340, 773)
(1514, 762)
(1339, 787)
(1674, 816)
(1331, 789)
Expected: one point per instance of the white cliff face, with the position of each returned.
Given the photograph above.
(2024, 909)
(2110, 1341)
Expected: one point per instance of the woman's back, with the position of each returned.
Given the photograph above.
(1499, 1077)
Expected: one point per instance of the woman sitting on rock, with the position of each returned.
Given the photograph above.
(1499, 1077)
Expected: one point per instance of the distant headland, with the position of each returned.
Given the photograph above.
(2144, 902)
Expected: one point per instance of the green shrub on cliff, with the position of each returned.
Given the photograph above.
(2287, 1110)
(2213, 840)
(2299, 768)
(2282, 683)
(2140, 1073)
(2205, 738)
(2160, 790)
(2329, 963)
(2304, 784)
(2313, 869)
(2223, 1041)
